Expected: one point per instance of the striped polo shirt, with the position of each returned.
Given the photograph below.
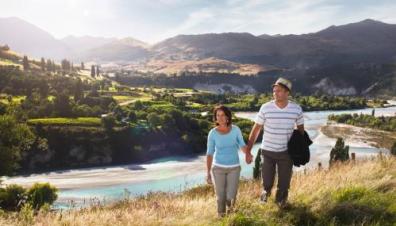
(278, 124)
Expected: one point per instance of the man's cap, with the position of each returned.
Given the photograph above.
(283, 82)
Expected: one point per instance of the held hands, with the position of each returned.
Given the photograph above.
(248, 155)
(209, 179)
(248, 158)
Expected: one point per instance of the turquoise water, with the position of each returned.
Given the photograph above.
(89, 196)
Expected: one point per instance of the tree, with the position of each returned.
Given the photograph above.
(3, 108)
(15, 138)
(62, 105)
(53, 66)
(12, 197)
(40, 194)
(43, 89)
(108, 122)
(97, 70)
(78, 91)
(138, 105)
(168, 121)
(49, 65)
(132, 116)
(340, 152)
(25, 63)
(42, 64)
(257, 166)
(153, 119)
(393, 149)
(180, 121)
(5, 47)
(65, 65)
(93, 71)
(118, 112)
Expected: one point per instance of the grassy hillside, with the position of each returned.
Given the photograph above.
(211, 64)
(361, 193)
(80, 121)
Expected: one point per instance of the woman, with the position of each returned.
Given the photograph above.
(224, 141)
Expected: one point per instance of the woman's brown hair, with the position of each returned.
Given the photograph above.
(226, 111)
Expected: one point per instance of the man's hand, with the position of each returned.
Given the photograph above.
(252, 139)
(248, 157)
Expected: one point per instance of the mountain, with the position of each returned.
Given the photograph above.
(265, 36)
(83, 43)
(367, 40)
(351, 59)
(207, 65)
(26, 38)
(224, 46)
(29, 39)
(364, 41)
(122, 50)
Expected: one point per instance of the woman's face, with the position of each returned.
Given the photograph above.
(221, 118)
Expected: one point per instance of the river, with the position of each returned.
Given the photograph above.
(82, 187)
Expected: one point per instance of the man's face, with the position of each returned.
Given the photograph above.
(280, 93)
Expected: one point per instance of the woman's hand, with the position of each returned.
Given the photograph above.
(248, 158)
(209, 179)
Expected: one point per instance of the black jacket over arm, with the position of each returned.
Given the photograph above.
(298, 148)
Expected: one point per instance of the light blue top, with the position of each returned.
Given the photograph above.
(225, 147)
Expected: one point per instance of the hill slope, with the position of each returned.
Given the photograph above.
(27, 38)
(348, 194)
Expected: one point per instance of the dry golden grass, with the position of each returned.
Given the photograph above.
(311, 197)
(204, 65)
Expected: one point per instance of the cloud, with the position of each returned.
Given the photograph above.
(196, 18)
(154, 21)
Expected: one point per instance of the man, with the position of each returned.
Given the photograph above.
(278, 118)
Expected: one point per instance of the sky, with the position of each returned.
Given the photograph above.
(152, 21)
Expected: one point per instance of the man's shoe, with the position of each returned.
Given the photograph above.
(282, 204)
(264, 197)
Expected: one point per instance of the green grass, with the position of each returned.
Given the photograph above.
(51, 98)
(361, 204)
(123, 98)
(160, 105)
(81, 121)
(15, 99)
(195, 105)
(6, 62)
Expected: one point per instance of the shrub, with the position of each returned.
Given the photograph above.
(41, 194)
(12, 197)
(393, 149)
(15, 197)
